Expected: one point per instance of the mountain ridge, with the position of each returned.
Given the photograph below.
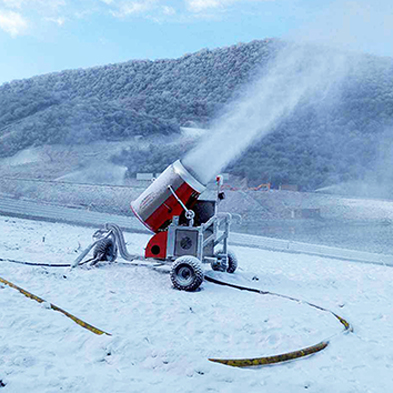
(142, 98)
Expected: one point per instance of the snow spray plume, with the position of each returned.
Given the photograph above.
(299, 74)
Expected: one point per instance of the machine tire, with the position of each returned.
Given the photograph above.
(232, 262)
(223, 266)
(187, 273)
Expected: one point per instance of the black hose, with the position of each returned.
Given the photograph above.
(41, 263)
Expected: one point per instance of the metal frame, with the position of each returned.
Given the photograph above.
(216, 238)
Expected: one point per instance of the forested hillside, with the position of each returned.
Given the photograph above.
(121, 100)
(318, 145)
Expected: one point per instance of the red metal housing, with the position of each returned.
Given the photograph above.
(156, 248)
(157, 205)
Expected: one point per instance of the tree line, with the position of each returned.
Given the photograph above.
(317, 145)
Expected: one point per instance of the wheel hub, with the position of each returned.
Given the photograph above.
(185, 275)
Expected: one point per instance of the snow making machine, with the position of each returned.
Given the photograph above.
(187, 230)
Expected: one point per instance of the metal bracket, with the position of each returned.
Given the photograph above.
(189, 214)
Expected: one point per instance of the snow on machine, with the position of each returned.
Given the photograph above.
(187, 230)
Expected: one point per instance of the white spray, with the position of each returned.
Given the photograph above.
(298, 74)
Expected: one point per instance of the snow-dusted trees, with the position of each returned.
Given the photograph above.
(145, 97)
(120, 100)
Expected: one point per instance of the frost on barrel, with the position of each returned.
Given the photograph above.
(158, 204)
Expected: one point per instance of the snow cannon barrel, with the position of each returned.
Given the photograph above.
(163, 199)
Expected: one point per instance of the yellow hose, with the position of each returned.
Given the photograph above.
(284, 357)
(55, 308)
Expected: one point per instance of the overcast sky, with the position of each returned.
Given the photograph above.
(41, 36)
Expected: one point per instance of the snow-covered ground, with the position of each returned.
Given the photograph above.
(162, 338)
(104, 173)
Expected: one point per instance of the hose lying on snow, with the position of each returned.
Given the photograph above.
(105, 247)
(106, 250)
(246, 362)
(43, 264)
(55, 308)
(119, 237)
(269, 360)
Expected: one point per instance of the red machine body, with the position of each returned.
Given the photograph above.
(187, 230)
(168, 196)
(156, 248)
(158, 204)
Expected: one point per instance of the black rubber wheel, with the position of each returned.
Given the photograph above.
(187, 273)
(223, 263)
(232, 262)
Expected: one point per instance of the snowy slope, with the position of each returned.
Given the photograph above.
(161, 338)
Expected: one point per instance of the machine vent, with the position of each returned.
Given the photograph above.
(186, 242)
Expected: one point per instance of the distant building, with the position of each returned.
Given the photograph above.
(289, 187)
(144, 176)
(263, 187)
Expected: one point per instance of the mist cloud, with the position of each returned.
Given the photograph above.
(303, 73)
(299, 74)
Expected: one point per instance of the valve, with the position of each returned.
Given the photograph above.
(190, 215)
(220, 193)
